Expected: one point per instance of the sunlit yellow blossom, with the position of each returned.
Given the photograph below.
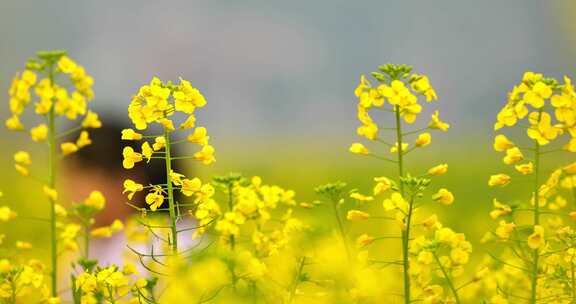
(499, 180)
(382, 184)
(39, 133)
(130, 157)
(541, 128)
(356, 215)
(500, 209)
(425, 257)
(438, 170)
(101, 232)
(502, 143)
(83, 140)
(422, 86)
(570, 169)
(443, 196)
(159, 143)
(22, 170)
(513, 155)
(91, 121)
(147, 151)
(396, 201)
(536, 96)
(6, 214)
(362, 198)
(13, 123)
(155, 198)
(190, 186)
(189, 123)
(423, 140)
(206, 155)
(364, 240)
(50, 193)
(394, 149)
(68, 148)
(131, 187)
(436, 123)
(176, 178)
(96, 200)
(504, 229)
(187, 98)
(129, 134)
(23, 245)
(358, 148)
(527, 168)
(199, 136)
(22, 158)
(536, 239)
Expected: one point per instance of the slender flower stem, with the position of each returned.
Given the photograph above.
(294, 286)
(341, 230)
(52, 161)
(87, 239)
(170, 192)
(406, 231)
(448, 280)
(230, 208)
(534, 283)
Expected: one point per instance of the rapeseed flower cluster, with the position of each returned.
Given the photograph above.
(398, 91)
(162, 104)
(54, 100)
(536, 229)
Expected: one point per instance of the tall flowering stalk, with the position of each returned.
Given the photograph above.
(397, 93)
(162, 104)
(545, 111)
(62, 91)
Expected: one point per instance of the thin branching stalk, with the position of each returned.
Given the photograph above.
(230, 208)
(87, 239)
(406, 231)
(341, 230)
(52, 163)
(170, 192)
(297, 277)
(447, 277)
(536, 256)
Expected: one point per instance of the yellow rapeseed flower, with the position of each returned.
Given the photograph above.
(423, 140)
(130, 157)
(39, 133)
(129, 134)
(438, 170)
(502, 143)
(443, 196)
(357, 215)
(499, 180)
(358, 148)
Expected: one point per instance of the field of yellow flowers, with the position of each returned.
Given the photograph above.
(238, 239)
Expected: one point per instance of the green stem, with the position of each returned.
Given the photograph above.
(341, 230)
(87, 240)
(448, 280)
(170, 192)
(405, 232)
(297, 279)
(230, 208)
(52, 160)
(13, 294)
(536, 256)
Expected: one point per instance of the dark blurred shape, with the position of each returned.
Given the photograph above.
(105, 153)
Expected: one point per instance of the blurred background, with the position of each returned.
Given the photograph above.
(279, 78)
